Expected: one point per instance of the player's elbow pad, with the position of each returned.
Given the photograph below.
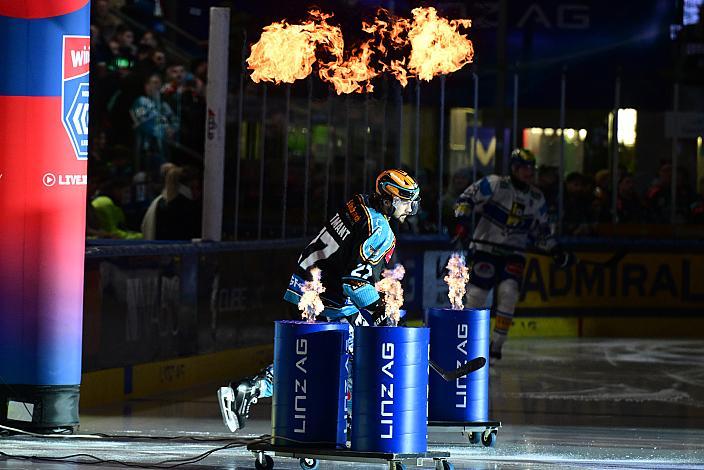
(361, 295)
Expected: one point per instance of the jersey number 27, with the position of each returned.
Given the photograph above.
(329, 246)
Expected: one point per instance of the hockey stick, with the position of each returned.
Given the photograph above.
(612, 261)
(450, 375)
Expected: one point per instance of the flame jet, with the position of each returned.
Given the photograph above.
(310, 304)
(354, 73)
(391, 41)
(286, 52)
(425, 47)
(391, 287)
(456, 279)
(437, 47)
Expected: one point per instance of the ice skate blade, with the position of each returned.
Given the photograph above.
(226, 399)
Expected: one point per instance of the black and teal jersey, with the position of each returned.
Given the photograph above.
(351, 251)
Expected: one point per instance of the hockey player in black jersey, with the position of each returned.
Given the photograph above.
(351, 250)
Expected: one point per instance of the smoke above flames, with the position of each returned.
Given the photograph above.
(423, 47)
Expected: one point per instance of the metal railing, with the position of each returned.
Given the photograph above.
(350, 164)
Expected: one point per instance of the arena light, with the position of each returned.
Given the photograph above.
(627, 120)
(582, 134)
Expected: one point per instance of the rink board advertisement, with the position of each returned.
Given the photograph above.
(144, 308)
(641, 281)
(43, 136)
(161, 320)
(147, 308)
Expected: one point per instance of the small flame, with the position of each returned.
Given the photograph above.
(437, 47)
(390, 286)
(353, 75)
(456, 279)
(310, 304)
(398, 70)
(286, 52)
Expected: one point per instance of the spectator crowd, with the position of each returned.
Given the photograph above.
(146, 125)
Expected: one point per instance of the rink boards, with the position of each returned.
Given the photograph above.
(167, 317)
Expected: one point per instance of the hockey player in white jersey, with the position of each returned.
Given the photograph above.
(510, 215)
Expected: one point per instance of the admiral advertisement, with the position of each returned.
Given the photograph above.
(639, 283)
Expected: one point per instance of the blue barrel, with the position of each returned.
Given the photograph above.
(455, 337)
(390, 390)
(310, 373)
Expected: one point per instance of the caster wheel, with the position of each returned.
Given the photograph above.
(489, 438)
(443, 465)
(266, 463)
(474, 437)
(308, 464)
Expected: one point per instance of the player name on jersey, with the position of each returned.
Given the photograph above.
(339, 226)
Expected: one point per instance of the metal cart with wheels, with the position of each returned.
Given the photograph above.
(309, 457)
(484, 432)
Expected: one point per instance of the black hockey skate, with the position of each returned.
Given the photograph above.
(235, 403)
(494, 354)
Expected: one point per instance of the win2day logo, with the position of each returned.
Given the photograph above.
(74, 92)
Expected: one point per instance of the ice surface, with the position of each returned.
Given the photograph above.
(564, 403)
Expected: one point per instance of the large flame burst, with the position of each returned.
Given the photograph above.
(286, 52)
(390, 286)
(456, 279)
(310, 304)
(437, 47)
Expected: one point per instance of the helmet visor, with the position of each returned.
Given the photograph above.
(415, 205)
(405, 208)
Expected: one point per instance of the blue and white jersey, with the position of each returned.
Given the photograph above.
(351, 251)
(508, 215)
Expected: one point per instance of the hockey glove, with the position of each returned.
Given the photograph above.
(463, 209)
(378, 314)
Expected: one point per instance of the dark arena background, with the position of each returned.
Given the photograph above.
(204, 144)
